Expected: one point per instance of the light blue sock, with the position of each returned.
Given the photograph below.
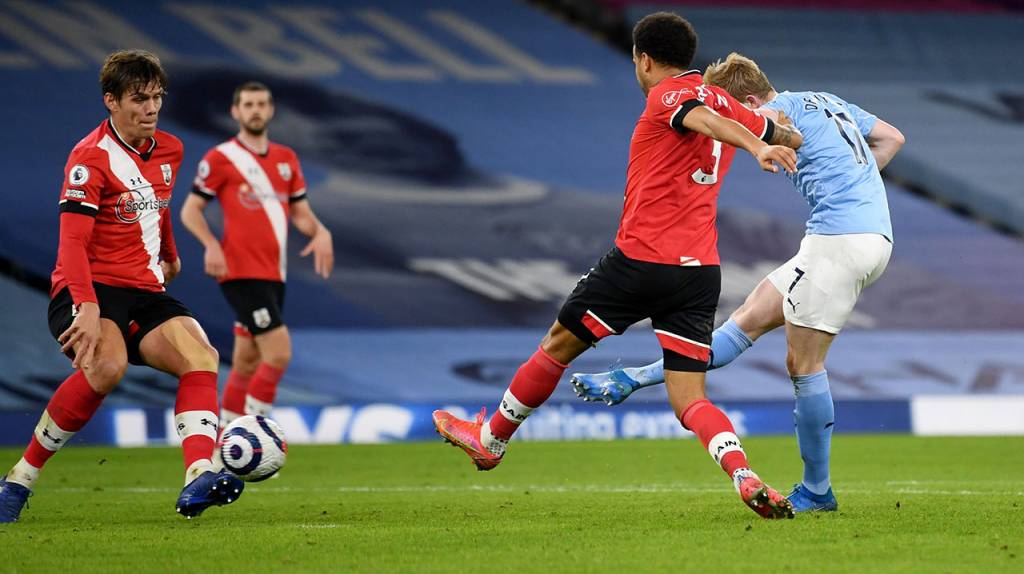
(727, 343)
(648, 375)
(815, 417)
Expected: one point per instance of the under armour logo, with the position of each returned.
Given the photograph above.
(181, 427)
(52, 438)
(206, 421)
(136, 181)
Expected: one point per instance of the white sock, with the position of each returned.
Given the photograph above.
(255, 406)
(739, 474)
(197, 468)
(227, 416)
(24, 474)
(493, 444)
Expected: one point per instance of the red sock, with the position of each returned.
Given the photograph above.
(71, 406)
(533, 383)
(234, 392)
(195, 415)
(716, 434)
(263, 384)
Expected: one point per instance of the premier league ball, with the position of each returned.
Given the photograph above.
(253, 448)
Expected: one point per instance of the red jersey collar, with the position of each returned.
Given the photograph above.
(144, 155)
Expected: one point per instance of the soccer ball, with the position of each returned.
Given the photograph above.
(252, 448)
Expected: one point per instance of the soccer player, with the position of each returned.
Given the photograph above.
(108, 306)
(847, 248)
(260, 186)
(664, 265)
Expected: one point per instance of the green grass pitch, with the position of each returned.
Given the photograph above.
(906, 505)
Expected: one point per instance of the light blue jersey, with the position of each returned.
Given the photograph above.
(836, 172)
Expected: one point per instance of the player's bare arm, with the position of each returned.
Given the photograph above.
(785, 132)
(321, 245)
(885, 141)
(706, 121)
(194, 220)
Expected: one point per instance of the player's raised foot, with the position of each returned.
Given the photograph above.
(209, 489)
(13, 498)
(612, 387)
(803, 500)
(466, 435)
(761, 498)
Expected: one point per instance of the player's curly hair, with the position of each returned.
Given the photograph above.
(131, 71)
(739, 76)
(667, 38)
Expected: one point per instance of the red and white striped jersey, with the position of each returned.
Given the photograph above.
(674, 174)
(128, 192)
(255, 191)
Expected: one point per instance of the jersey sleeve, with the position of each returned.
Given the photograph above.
(210, 176)
(729, 107)
(298, 183)
(84, 180)
(669, 106)
(168, 248)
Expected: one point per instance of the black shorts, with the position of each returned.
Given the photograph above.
(258, 304)
(680, 301)
(136, 313)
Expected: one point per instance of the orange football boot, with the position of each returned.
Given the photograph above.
(466, 435)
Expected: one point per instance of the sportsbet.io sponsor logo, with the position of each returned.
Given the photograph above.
(131, 205)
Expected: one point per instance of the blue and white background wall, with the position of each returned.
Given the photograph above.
(469, 157)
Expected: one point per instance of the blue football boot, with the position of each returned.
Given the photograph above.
(612, 387)
(209, 489)
(806, 501)
(13, 498)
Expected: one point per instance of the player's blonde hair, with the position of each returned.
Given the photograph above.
(738, 75)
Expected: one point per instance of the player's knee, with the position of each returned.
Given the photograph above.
(204, 358)
(278, 358)
(245, 366)
(797, 365)
(104, 374)
(561, 344)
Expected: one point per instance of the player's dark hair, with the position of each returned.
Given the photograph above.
(130, 71)
(667, 38)
(250, 86)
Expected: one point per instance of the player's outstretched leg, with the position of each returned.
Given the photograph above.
(485, 441)
(727, 343)
(615, 386)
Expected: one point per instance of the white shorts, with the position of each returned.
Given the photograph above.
(820, 286)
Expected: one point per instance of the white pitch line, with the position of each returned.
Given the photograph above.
(549, 489)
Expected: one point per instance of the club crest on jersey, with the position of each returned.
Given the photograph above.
(261, 317)
(285, 170)
(248, 197)
(165, 168)
(78, 175)
(670, 98)
(132, 204)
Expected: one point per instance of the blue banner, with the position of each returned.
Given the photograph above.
(393, 422)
